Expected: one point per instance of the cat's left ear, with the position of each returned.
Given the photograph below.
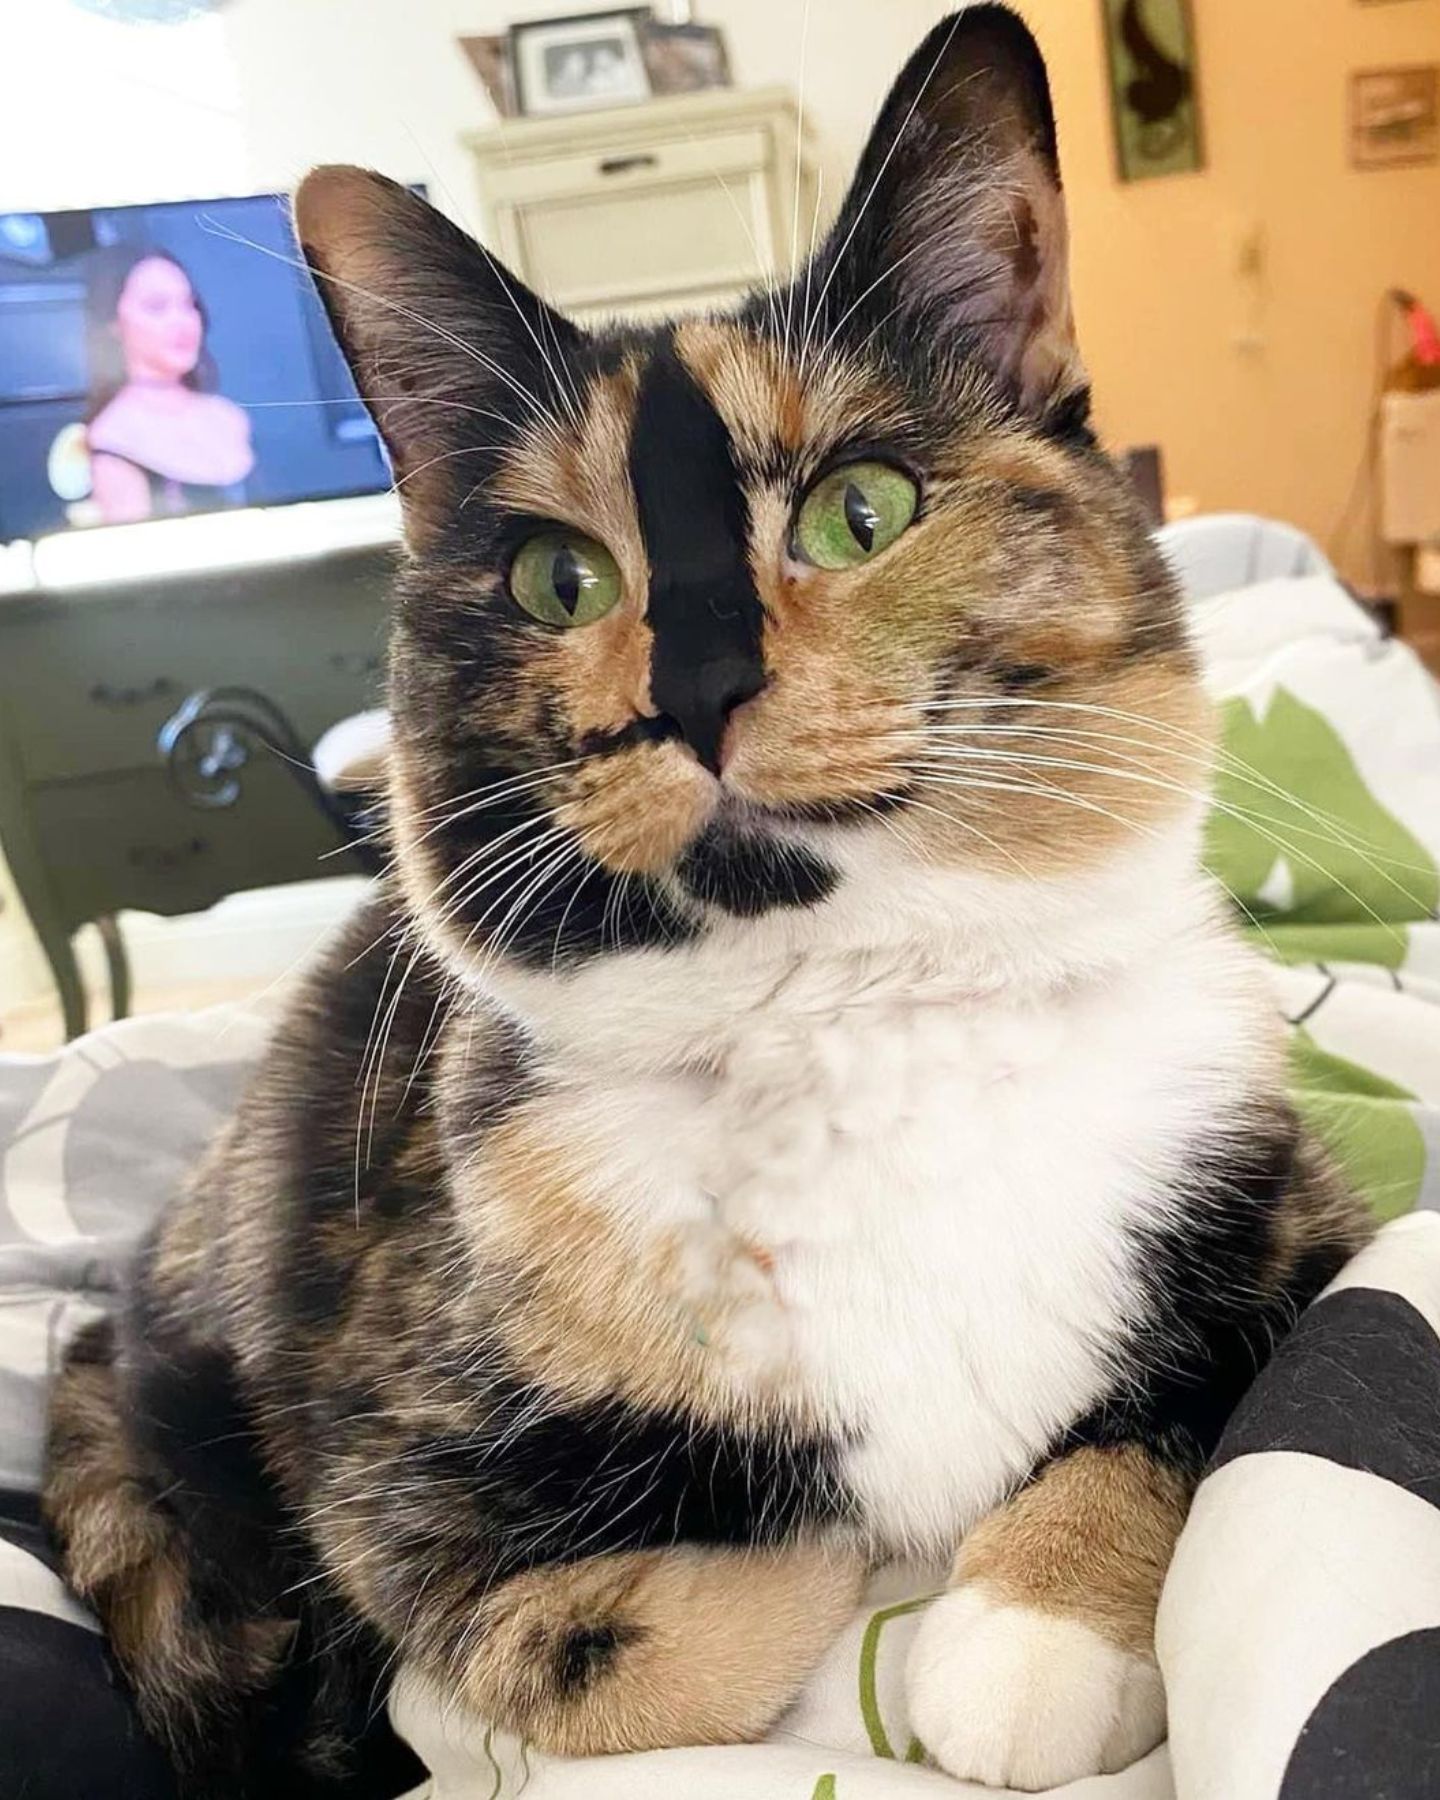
(444, 343)
(955, 222)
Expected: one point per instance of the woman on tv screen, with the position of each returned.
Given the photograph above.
(160, 439)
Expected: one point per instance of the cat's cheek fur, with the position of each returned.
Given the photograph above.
(1017, 1698)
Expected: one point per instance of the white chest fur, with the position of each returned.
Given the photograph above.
(943, 1184)
(943, 1191)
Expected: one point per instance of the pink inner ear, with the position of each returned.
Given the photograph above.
(992, 261)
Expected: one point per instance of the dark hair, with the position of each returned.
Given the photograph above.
(110, 267)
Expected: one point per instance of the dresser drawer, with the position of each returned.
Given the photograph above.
(132, 841)
(630, 169)
(84, 695)
(683, 203)
(85, 687)
(688, 238)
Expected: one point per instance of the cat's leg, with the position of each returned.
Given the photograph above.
(168, 1528)
(1038, 1667)
(646, 1650)
(191, 1636)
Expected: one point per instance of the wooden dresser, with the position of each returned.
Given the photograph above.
(675, 205)
(91, 820)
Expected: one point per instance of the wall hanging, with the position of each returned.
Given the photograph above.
(1150, 50)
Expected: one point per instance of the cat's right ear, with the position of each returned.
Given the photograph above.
(955, 223)
(448, 349)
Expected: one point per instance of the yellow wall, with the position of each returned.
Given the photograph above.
(1278, 428)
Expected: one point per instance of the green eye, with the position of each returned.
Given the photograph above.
(563, 578)
(854, 513)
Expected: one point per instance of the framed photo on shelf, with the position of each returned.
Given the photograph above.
(580, 63)
(685, 59)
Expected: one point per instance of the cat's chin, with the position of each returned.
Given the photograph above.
(744, 862)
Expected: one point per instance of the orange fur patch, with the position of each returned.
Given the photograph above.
(1091, 1539)
(638, 810)
(605, 1310)
(689, 1646)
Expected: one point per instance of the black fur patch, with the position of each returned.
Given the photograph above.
(704, 612)
(1216, 1307)
(321, 1730)
(585, 1653)
(556, 916)
(1016, 677)
(608, 1478)
(749, 873)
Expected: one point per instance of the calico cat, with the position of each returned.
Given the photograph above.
(795, 1099)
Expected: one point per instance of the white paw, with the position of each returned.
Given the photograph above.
(1017, 1698)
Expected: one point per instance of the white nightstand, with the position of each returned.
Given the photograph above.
(674, 205)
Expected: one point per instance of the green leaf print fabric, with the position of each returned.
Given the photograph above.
(1326, 833)
(1350, 861)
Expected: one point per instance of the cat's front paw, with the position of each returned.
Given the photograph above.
(1017, 1698)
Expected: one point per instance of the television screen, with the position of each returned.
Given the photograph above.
(168, 359)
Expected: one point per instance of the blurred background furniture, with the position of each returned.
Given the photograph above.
(1219, 552)
(93, 822)
(680, 203)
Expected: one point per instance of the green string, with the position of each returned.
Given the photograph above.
(869, 1703)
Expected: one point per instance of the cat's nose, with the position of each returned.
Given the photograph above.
(700, 701)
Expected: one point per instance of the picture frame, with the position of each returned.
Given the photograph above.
(1154, 87)
(489, 56)
(685, 59)
(1395, 117)
(580, 63)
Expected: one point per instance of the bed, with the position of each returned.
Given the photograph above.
(1300, 1628)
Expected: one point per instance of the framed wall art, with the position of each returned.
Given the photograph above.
(1395, 117)
(1154, 95)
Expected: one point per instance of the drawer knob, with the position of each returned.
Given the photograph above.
(103, 694)
(160, 858)
(623, 165)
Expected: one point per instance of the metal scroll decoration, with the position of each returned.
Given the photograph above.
(210, 741)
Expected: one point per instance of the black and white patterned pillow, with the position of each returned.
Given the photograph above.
(1300, 1626)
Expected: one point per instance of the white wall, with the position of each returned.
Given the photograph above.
(248, 98)
(95, 111)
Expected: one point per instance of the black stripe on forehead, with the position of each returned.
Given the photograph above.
(704, 613)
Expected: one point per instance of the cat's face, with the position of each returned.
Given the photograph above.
(700, 620)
